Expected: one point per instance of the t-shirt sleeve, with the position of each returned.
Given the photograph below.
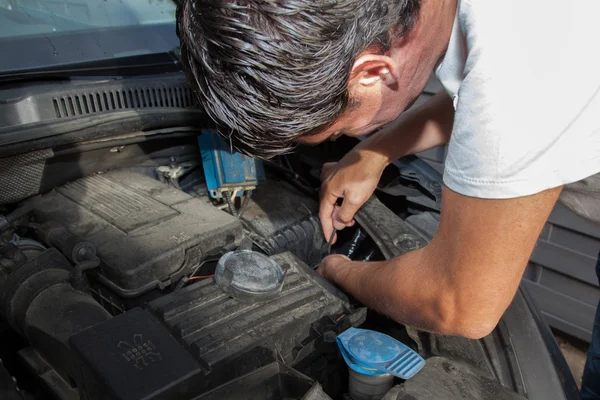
(528, 109)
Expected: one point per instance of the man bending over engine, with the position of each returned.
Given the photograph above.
(520, 111)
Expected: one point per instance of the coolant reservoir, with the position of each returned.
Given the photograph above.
(249, 276)
(374, 359)
(369, 387)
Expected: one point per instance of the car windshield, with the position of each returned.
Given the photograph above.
(37, 34)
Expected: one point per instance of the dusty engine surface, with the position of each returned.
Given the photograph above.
(219, 329)
(186, 341)
(147, 235)
(222, 337)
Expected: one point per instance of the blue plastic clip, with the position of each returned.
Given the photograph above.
(374, 353)
(226, 170)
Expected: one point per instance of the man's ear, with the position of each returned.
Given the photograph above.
(369, 68)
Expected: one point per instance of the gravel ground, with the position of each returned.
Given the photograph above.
(574, 351)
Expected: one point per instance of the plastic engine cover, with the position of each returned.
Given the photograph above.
(231, 338)
(146, 233)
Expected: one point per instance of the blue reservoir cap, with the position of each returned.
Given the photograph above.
(374, 353)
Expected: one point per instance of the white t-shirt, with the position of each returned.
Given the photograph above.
(525, 79)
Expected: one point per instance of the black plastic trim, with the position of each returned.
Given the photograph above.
(65, 132)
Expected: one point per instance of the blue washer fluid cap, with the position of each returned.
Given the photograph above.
(374, 353)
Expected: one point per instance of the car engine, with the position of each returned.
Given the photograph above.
(109, 278)
(154, 269)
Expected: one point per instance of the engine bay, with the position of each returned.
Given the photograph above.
(156, 323)
(109, 289)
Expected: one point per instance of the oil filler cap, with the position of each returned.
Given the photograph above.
(249, 276)
(373, 353)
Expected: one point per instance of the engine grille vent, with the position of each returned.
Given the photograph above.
(73, 105)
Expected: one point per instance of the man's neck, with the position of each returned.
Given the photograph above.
(419, 50)
(434, 28)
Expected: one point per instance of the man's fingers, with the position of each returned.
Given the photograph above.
(343, 216)
(336, 221)
(333, 216)
(325, 214)
(330, 262)
(336, 217)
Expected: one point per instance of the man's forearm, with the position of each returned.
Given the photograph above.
(422, 128)
(464, 279)
(404, 288)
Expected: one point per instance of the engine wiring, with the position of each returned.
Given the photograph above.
(193, 278)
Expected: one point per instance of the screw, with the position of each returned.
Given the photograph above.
(451, 369)
(329, 336)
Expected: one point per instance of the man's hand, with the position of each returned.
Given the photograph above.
(354, 179)
(330, 263)
(462, 282)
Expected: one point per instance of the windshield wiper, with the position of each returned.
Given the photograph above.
(143, 64)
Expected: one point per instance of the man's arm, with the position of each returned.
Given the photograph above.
(416, 130)
(463, 281)
(355, 176)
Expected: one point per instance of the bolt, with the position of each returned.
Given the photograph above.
(329, 336)
(451, 369)
(407, 242)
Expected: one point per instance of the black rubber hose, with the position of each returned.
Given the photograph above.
(77, 274)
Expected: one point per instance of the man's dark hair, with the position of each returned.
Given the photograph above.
(269, 71)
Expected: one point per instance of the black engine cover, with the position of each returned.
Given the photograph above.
(198, 338)
(147, 234)
(232, 338)
(132, 357)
